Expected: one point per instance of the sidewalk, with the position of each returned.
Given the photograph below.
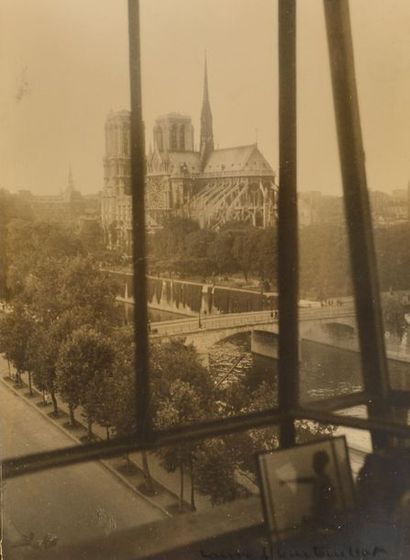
(131, 472)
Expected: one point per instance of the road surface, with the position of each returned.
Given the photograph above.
(74, 503)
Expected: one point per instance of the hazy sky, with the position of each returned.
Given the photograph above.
(64, 65)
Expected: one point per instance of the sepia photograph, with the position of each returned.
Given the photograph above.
(204, 279)
(309, 486)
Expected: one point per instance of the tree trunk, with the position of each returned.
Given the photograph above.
(192, 473)
(147, 475)
(55, 407)
(107, 428)
(43, 392)
(72, 419)
(30, 384)
(181, 488)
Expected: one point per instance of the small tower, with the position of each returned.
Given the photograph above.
(69, 190)
(207, 136)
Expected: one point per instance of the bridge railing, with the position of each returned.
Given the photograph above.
(229, 320)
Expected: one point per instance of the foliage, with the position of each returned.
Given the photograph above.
(85, 359)
(123, 413)
(171, 240)
(215, 472)
(44, 346)
(31, 244)
(15, 330)
(91, 238)
(393, 314)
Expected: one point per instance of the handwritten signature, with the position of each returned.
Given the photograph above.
(315, 551)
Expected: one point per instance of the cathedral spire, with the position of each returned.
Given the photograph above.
(70, 182)
(207, 136)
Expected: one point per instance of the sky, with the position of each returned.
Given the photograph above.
(64, 66)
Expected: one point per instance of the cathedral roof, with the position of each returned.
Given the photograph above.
(191, 159)
(174, 163)
(237, 159)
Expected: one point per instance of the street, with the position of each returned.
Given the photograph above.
(74, 503)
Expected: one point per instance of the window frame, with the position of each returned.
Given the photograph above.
(377, 394)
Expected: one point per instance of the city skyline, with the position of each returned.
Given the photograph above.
(53, 107)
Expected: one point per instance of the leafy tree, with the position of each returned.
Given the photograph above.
(244, 248)
(43, 351)
(181, 406)
(171, 240)
(197, 243)
(91, 237)
(220, 252)
(121, 410)
(266, 254)
(15, 330)
(31, 243)
(173, 360)
(181, 392)
(215, 472)
(393, 314)
(85, 359)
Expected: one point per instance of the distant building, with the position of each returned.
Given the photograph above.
(389, 209)
(208, 185)
(69, 205)
(315, 207)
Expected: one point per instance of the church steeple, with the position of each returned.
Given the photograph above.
(70, 182)
(207, 135)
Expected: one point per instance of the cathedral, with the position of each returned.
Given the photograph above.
(211, 186)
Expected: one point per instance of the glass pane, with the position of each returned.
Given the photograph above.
(330, 361)
(62, 358)
(384, 124)
(210, 205)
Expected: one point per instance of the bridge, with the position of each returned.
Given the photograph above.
(205, 331)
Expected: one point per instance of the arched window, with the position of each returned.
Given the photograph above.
(173, 139)
(182, 138)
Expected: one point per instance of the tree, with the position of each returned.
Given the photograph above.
(121, 409)
(197, 242)
(174, 360)
(181, 392)
(244, 249)
(43, 351)
(266, 254)
(85, 359)
(181, 406)
(215, 472)
(170, 241)
(393, 314)
(220, 252)
(15, 330)
(91, 237)
(29, 244)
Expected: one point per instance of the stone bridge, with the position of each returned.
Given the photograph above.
(204, 332)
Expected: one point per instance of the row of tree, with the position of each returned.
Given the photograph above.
(65, 334)
(182, 247)
(324, 255)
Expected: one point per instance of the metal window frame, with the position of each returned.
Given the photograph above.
(377, 394)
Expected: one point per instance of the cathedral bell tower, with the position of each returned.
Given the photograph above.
(207, 135)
